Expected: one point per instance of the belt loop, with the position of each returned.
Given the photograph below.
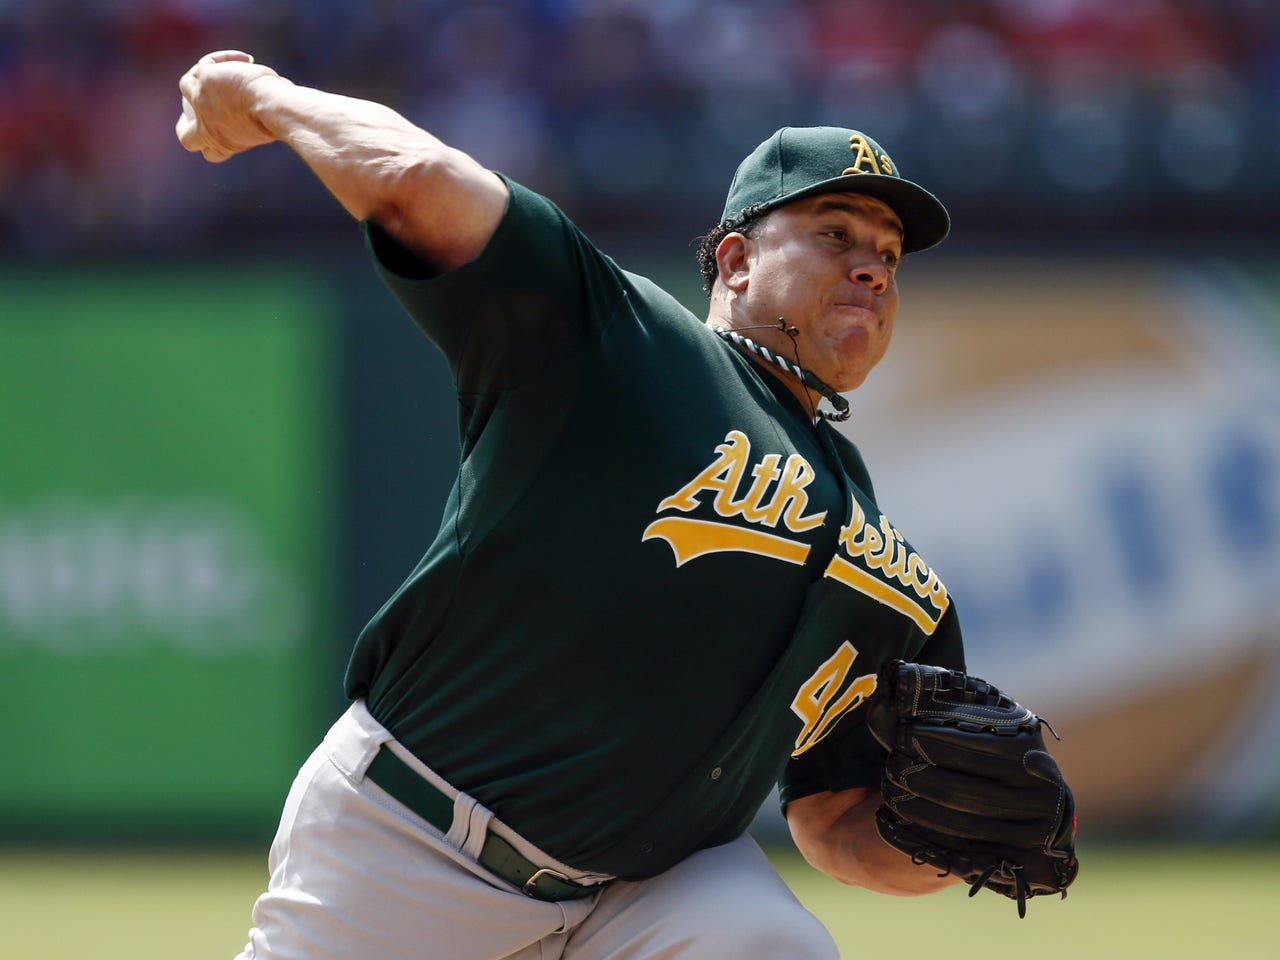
(354, 740)
(470, 823)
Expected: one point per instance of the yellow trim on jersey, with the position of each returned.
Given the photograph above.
(857, 578)
(695, 538)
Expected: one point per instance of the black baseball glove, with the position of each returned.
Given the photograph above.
(968, 786)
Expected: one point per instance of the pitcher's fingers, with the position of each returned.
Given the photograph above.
(186, 129)
(220, 56)
(189, 86)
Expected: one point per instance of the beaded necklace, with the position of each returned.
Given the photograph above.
(807, 377)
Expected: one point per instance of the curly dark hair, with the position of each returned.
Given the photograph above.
(744, 223)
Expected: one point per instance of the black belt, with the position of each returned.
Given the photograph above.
(498, 856)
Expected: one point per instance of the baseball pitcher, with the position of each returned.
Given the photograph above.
(661, 584)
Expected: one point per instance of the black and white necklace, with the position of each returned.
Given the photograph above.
(807, 377)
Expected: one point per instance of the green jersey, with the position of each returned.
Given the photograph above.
(658, 588)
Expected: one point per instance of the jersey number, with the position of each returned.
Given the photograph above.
(828, 695)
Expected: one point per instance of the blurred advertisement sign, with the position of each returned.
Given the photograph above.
(166, 531)
(79, 577)
(1090, 457)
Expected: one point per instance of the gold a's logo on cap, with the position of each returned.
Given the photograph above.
(866, 160)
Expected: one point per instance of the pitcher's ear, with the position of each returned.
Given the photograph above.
(732, 263)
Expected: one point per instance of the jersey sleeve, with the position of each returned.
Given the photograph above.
(850, 756)
(534, 297)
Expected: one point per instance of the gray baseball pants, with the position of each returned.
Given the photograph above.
(354, 874)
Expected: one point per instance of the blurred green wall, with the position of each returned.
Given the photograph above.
(167, 535)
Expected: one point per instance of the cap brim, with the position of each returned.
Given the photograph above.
(925, 222)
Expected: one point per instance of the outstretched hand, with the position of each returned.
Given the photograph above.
(217, 117)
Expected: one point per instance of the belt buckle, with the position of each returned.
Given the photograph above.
(532, 889)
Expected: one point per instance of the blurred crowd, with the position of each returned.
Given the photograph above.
(1040, 114)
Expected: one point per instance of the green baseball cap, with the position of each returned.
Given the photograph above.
(801, 161)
